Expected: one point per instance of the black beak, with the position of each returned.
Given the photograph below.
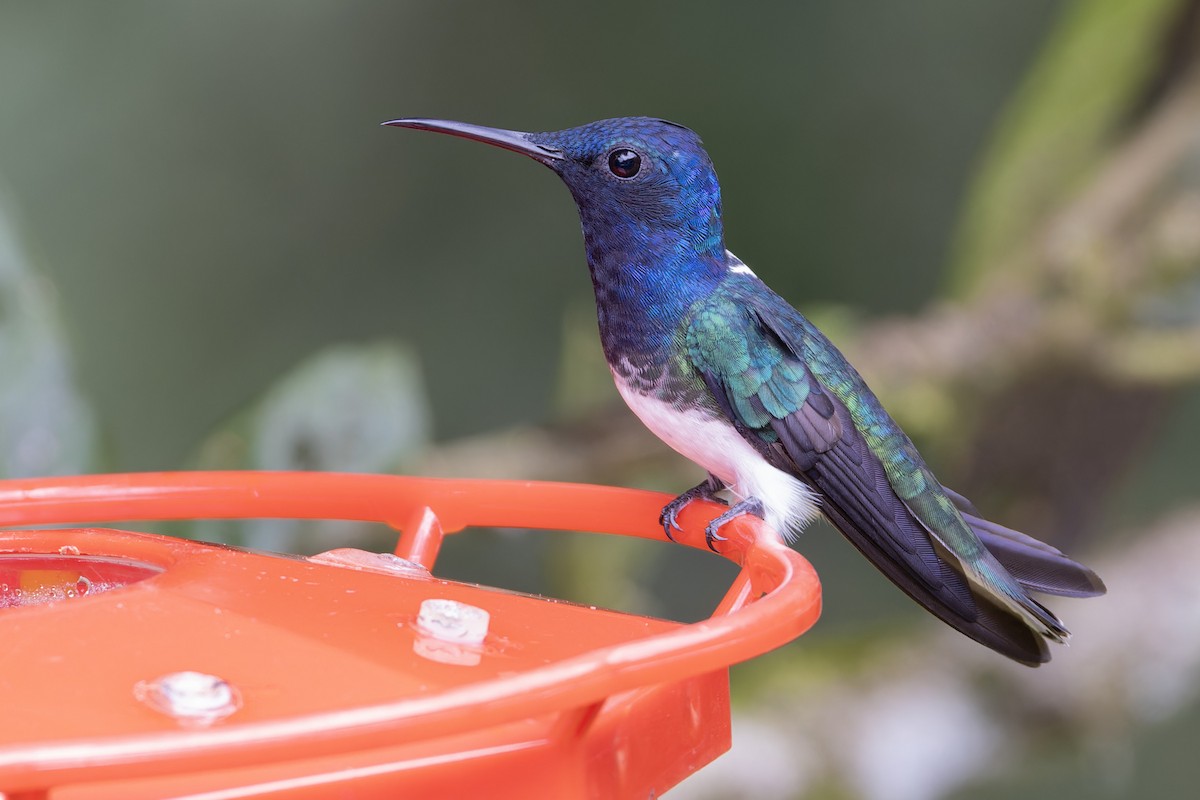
(516, 141)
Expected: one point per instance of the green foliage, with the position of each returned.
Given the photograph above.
(1057, 128)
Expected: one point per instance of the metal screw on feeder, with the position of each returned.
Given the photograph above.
(452, 621)
(192, 698)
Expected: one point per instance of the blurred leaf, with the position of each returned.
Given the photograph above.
(359, 408)
(46, 427)
(1057, 127)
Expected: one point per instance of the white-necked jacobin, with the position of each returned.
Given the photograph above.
(728, 374)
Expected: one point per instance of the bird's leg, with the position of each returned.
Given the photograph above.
(751, 505)
(705, 490)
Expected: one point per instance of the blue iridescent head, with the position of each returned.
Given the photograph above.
(645, 188)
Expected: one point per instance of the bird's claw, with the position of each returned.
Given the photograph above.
(711, 537)
(670, 513)
(751, 505)
(706, 491)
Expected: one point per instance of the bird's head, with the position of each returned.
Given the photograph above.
(642, 185)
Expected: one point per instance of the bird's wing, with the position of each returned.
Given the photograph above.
(756, 362)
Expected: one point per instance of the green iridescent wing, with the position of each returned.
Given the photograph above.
(797, 400)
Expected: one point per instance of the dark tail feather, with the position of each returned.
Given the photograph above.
(1036, 565)
(989, 624)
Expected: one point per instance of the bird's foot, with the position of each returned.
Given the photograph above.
(701, 491)
(751, 505)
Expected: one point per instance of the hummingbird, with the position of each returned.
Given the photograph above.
(731, 376)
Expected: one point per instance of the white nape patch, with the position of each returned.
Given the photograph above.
(737, 265)
(714, 444)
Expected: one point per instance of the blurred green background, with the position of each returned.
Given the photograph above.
(211, 255)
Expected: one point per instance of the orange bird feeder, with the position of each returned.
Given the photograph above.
(143, 666)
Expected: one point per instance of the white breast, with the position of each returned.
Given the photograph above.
(714, 444)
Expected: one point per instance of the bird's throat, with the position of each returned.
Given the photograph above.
(642, 299)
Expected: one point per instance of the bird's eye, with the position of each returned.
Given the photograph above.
(624, 163)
